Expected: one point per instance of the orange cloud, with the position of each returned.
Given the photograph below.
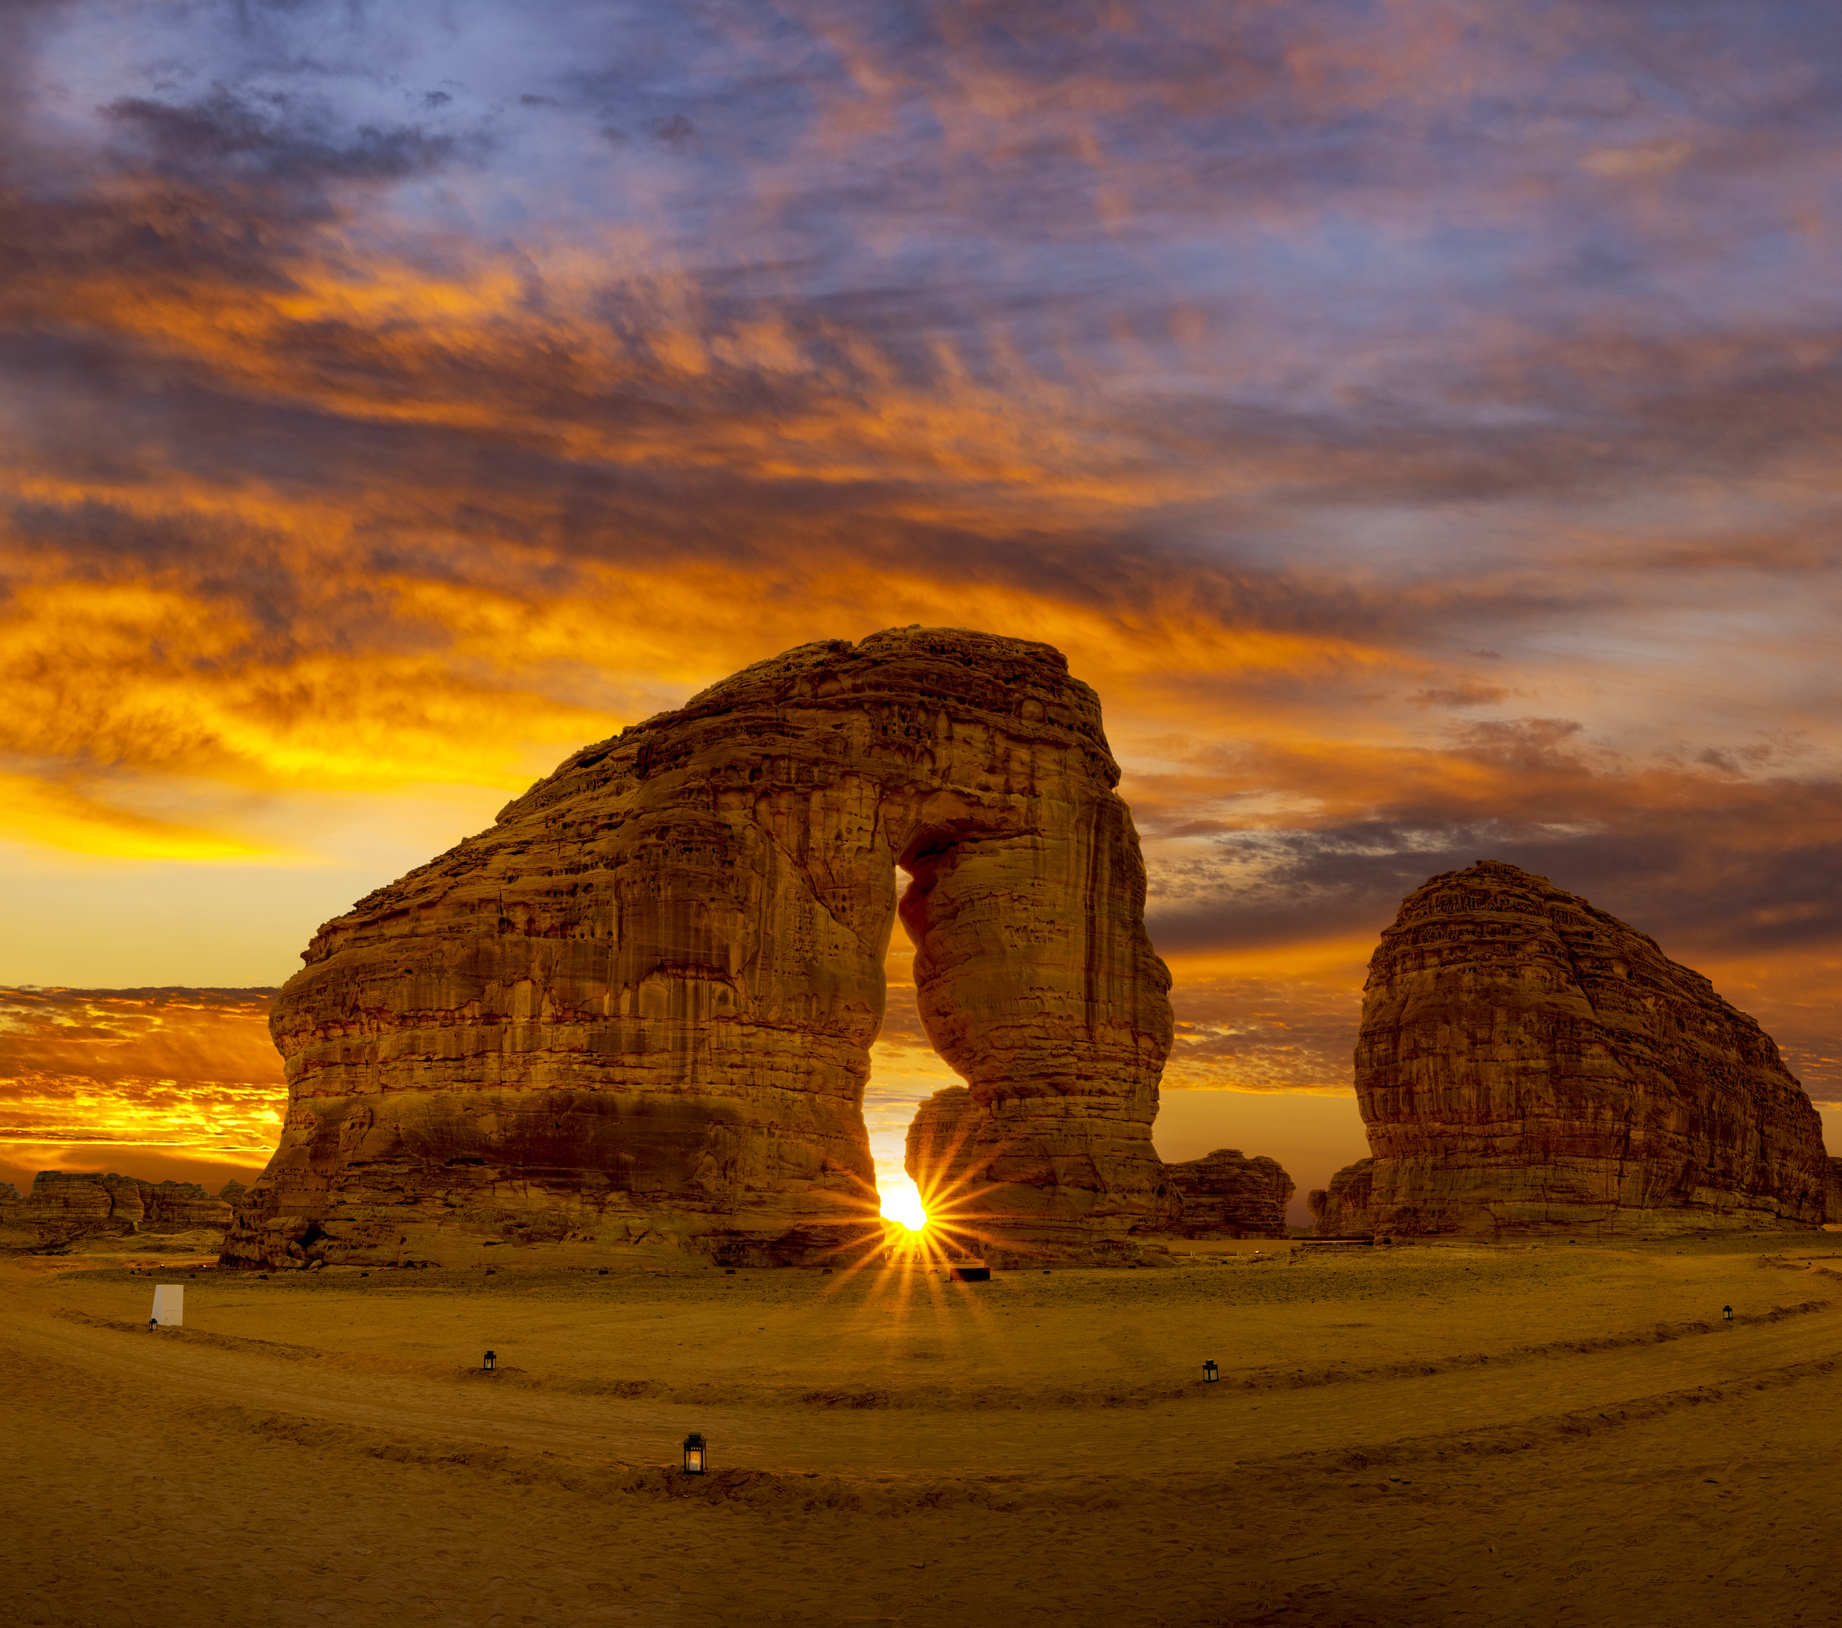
(1417, 432)
(184, 1073)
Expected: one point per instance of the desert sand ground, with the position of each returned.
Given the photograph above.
(1412, 1437)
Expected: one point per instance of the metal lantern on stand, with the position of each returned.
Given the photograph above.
(492, 1361)
(694, 1454)
(1210, 1373)
(1726, 1314)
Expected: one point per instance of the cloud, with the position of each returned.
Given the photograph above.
(1649, 158)
(364, 432)
(226, 138)
(1462, 695)
(130, 1074)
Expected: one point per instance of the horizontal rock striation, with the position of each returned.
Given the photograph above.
(1527, 1062)
(638, 1009)
(1227, 1195)
(68, 1206)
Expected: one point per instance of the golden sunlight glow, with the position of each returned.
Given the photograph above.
(902, 1203)
(90, 1076)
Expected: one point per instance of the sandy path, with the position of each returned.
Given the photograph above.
(303, 1487)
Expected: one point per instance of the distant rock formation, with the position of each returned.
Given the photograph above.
(68, 1206)
(1343, 1210)
(1227, 1195)
(1832, 1190)
(1529, 1062)
(638, 1009)
(232, 1190)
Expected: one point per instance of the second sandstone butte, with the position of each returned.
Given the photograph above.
(1228, 1195)
(1529, 1062)
(639, 1007)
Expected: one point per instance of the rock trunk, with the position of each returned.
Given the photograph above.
(638, 1009)
(1527, 1062)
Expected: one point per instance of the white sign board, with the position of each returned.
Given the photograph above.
(169, 1304)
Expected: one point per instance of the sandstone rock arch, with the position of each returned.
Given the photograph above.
(640, 1005)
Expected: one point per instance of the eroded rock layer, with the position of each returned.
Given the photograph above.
(1227, 1195)
(1527, 1061)
(69, 1206)
(1345, 1208)
(638, 1009)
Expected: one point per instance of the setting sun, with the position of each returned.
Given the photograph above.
(902, 1202)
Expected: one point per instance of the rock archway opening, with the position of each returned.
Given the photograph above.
(905, 1068)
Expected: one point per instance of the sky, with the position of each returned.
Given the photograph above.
(1417, 421)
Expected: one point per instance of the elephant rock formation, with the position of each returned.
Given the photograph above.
(638, 1008)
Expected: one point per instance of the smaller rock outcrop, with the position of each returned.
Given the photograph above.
(16, 1233)
(1345, 1208)
(1530, 1063)
(66, 1206)
(1228, 1195)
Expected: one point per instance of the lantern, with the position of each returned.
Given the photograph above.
(1210, 1373)
(694, 1454)
(492, 1361)
(1726, 1313)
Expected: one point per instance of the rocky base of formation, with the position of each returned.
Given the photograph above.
(638, 1010)
(1227, 1195)
(67, 1208)
(1529, 1064)
(961, 1160)
(513, 1219)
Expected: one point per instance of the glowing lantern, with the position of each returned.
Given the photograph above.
(1210, 1373)
(694, 1454)
(1726, 1313)
(492, 1361)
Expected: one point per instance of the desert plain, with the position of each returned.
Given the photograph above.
(1404, 1437)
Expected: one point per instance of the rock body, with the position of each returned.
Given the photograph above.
(1832, 1190)
(1226, 1195)
(1527, 1062)
(1343, 1210)
(638, 1009)
(64, 1207)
